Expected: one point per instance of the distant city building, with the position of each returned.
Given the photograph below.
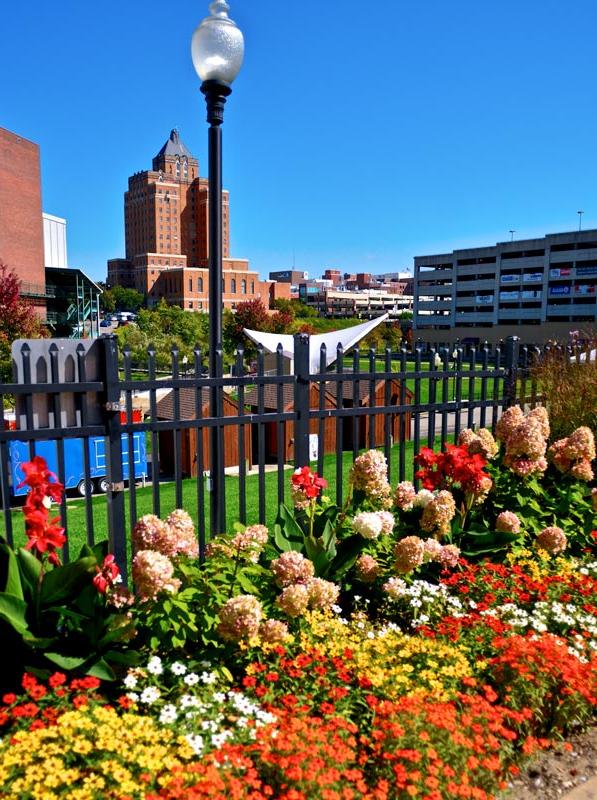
(509, 288)
(291, 277)
(294, 276)
(166, 237)
(21, 228)
(54, 241)
(330, 302)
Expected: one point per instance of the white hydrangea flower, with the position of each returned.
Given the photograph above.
(191, 679)
(178, 668)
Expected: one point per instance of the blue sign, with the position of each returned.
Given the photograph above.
(559, 290)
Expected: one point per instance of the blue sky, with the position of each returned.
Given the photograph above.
(358, 134)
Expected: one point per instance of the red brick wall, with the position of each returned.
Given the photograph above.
(21, 226)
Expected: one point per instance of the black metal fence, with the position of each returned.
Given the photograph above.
(275, 417)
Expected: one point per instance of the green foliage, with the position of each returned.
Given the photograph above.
(165, 327)
(322, 535)
(554, 499)
(121, 299)
(54, 617)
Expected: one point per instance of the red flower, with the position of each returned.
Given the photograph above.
(57, 679)
(106, 574)
(310, 483)
(9, 698)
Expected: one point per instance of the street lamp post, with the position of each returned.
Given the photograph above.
(217, 49)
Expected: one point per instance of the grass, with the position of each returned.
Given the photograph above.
(76, 511)
(445, 389)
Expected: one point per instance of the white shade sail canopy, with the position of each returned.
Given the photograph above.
(348, 338)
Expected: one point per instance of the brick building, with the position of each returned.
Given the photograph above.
(21, 226)
(167, 237)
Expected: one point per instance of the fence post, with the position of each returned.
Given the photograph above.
(301, 400)
(115, 494)
(511, 365)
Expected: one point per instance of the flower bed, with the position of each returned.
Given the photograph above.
(411, 643)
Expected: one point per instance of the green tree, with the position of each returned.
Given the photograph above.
(165, 328)
(121, 299)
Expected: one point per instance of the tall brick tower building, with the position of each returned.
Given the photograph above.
(166, 236)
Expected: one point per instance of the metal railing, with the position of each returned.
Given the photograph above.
(396, 401)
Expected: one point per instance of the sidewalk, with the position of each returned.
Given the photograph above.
(586, 791)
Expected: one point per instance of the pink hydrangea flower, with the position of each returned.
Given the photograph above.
(153, 574)
(507, 522)
(294, 600)
(147, 532)
(405, 496)
(432, 549)
(369, 474)
(481, 442)
(449, 556)
(291, 567)
(273, 631)
(409, 553)
(240, 618)
(322, 594)
(553, 540)
(438, 513)
(367, 569)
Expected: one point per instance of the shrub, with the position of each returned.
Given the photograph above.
(569, 391)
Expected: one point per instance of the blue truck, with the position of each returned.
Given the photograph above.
(74, 464)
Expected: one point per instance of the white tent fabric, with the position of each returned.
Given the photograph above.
(347, 338)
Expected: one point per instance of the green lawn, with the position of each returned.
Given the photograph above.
(76, 517)
(445, 387)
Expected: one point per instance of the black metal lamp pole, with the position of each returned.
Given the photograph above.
(217, 50)
(215, 93)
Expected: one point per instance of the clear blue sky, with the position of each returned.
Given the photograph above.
(358, 135)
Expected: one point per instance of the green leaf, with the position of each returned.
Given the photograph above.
(246, 584)
(102, 670)
(288, 523)
(318, 555)
(13, 576)
(30, 566)
(66, 581)
(348, 552)
(284, 544)
(13, 610)
(65, 662)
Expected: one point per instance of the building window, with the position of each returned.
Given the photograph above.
(243, 287)
(199, 284)
(191, 304)
(233, 285)
(190, 284)
(252, 287)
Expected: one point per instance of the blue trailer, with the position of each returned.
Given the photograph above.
(74, 463)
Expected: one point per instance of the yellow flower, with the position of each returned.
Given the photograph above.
(395, 663)
(90, 753)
